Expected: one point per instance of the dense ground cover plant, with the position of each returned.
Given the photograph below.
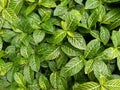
(59, 45)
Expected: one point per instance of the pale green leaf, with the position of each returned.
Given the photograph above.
(51, 53)
(24, 51)
(16, 5)
(100, 69)
(95, 34)
(43, 82)
(34, 63)
(111, 16)
(114, 24)
(30, 8)
(38, 36)
(60, 10)
(91, 4)
(28, 74)
(111, 1)
(70, 51)
(109, 54)
(104, 35)
(45, 13)
(112, 84)
(72, 19)
(57, 82)
(77, 41)
(92, 48)
(9, 15)
(93, 18)
(3, 3)
(79, 1)
(89, 66)
(115, 38)
(18, 77)
(57, 37)
(48, 3)
(72, 67)
(1, 44)
(89, 86)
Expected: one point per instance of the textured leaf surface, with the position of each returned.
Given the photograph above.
(72, 67)
(77, 41)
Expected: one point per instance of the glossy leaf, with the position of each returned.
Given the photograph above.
(91, 4)
(104, 35)
(16, 5)
(58, 36)
(115, 38)
(43, 82)
(112, 84)
(89, 86)
(72, 19)
(100, 69)
(57, 81)
(111, 16)
(9, 15)
(38, 36)
(34, 63)
(18, 77)
(92, 47)
(77, 41)
(72, 67)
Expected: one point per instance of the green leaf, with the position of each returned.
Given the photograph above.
(92, 48)
(18, 77)
(57, 82)
(51, 53)
(60, 10)
(48, 27)
(45, 13)
(38, 36)
(77, 41)
(43, 82)
(16, 5)
(101, 11)
(112, 84)
(34, 20)
(118, 62)
(24, 51)
(1, 44)
(115, 38)
(104, 35)
(30, 8)
(89, 66)
(58, 36)
(3, 3)
(111, 1)
(109, 54)
(72, 19)
(114, 24)
(70, 51)
(61, 60)
(89, 86)
(93, 18)
(91, 4)
(9, 15)
(28, 74)
(79, 1)
(48, 3)
(34, 63)
(95, 34)
(111, 16)
(100, 69)
(72, 67)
